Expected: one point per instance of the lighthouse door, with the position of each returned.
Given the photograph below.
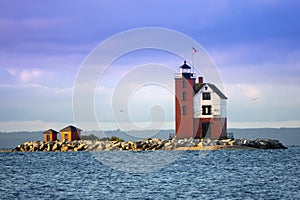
(206, 130)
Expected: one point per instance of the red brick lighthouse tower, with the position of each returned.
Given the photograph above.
(200, 108)
(184, 93)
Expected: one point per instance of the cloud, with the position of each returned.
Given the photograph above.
(24, 102)
(258, 62)
(255, 45)
(26, 75)
(35, 125)
(11, 27)
(263, 102)
(246, 91)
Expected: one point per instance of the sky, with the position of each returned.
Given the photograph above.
(44, 45)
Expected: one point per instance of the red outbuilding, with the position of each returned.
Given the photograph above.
(70, 133)
(50, 135)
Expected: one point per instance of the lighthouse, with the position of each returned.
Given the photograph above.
(200, 108)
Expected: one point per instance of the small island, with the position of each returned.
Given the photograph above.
(73, 140)
(149, 144)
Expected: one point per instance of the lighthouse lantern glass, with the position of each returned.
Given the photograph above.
(185, 70)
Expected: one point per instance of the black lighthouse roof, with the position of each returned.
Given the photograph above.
(185, 66)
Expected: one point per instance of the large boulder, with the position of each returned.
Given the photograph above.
(112, 148)
(188, 144)
(200, 144)
(81, 147)
(206, 142)
(48, 147)
(42, 146)
(56, 147)
(156, 140)
(25, 147)
(138, 145)
(196, 142)
(64, 148)
(160, 145)
(91, 147)
(230, 143)
(33, 148)
(238, 142)
(100, 146)
(108, 145)
(36, 145)
(168, 146)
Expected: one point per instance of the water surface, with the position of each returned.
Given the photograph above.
(236, 174)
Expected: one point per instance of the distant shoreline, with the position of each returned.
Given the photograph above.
(288, 136)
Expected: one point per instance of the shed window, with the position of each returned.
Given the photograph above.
(66, 136)
(206, 96)
(47, 137)
(206, 110)
(183, 110)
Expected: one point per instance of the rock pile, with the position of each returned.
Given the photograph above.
(260, 143)
(51, 146)
(149, 144)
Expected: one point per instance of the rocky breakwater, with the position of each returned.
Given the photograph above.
(150, 144)
(51, 146)
(260, 143)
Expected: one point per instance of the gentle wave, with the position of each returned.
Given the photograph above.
(236, 174)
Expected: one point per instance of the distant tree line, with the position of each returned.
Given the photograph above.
(95, 138)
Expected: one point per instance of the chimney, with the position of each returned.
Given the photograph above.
(200, 79)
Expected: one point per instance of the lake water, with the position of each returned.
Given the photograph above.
(236, 174)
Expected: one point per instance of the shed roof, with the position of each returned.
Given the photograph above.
(71, 128)
(51, 131)
(213, 87)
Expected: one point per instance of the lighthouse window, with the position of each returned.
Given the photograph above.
(183, 83)
(206, 110)
(183, 110)
(205, 96)
(183, 96)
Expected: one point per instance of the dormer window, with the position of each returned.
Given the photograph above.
(206, 96)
